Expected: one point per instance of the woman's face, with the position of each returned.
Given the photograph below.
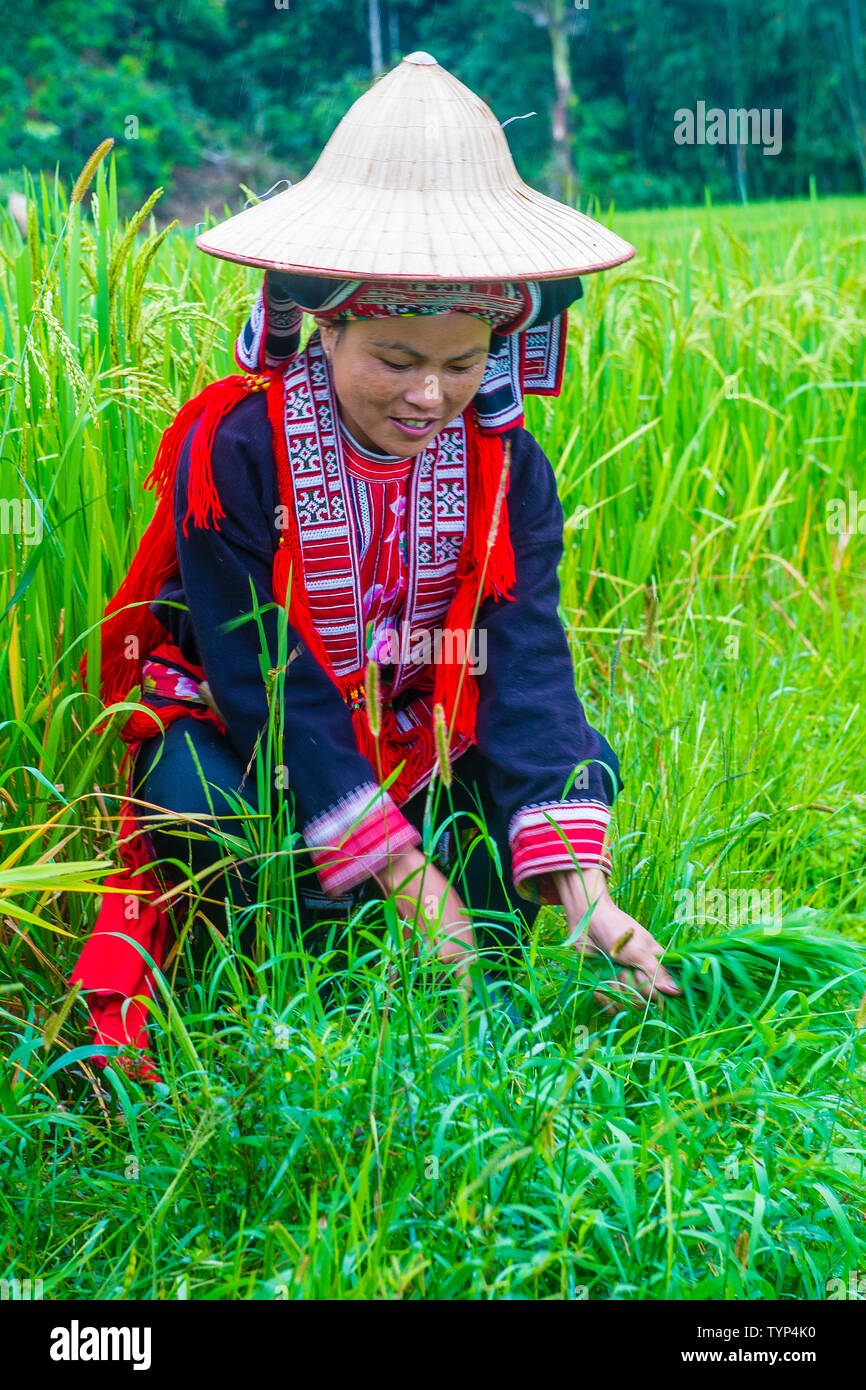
(417, 369)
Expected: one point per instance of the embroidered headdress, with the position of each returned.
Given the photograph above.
(529, 323)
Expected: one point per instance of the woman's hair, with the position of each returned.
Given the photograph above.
(339, 329)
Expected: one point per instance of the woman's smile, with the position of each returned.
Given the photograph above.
(415, 429)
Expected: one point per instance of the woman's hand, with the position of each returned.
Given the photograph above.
(424, 895)
(622, 938)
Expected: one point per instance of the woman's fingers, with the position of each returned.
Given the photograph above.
(615, 995)
(642, 953)
(635, 946)
(630, 945)
(634, 983)
(626, 991)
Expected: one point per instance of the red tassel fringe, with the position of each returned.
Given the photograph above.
(129, 634)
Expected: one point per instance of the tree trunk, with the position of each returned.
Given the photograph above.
(844, 48)
(857, 97)
(394, 33)
(634, 119)
(737, 153)
(568, 187)
(377, 66)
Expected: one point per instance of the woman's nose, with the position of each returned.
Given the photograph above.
(425, 392)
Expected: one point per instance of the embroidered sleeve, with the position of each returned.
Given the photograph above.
(559, 835)
(356, 837)
(552, 774)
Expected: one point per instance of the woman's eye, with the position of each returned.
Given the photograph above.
(404, 366)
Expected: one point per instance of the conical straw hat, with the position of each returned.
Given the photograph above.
(417, 181)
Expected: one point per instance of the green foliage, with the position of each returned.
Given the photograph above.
(207, 96)
(353, 1150)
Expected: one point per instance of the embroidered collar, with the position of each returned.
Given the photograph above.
(373, 467)
(317, 457)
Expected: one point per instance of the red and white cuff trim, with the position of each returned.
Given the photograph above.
(575, 838)
(355, 837)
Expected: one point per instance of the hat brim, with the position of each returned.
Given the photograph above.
(505, 233)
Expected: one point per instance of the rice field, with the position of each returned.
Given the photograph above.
(313, 1143)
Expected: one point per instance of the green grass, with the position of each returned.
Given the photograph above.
(309, 1144)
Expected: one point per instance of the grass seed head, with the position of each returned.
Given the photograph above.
(82, 183)
(371, 698)
(442, 750)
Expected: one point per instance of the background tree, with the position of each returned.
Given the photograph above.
(561, 20)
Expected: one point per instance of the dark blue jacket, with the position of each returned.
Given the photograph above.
(531, 728)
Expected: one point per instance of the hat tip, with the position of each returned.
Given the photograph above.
(420, 58)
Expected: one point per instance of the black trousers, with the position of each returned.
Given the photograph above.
(166, 776)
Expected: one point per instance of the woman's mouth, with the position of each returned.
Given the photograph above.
(414, 429)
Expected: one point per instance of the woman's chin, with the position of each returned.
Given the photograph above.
(407, 449)
(387, 437)
(394, 441)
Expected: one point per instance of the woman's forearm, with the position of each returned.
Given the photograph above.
(577, 888)
(425, 897)
(613, 932)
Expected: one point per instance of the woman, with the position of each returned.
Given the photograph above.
(365, 485)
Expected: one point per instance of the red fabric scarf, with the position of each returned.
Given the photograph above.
(109, 967)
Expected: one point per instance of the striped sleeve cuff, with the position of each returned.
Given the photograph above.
(355, 838)
(556, 835)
